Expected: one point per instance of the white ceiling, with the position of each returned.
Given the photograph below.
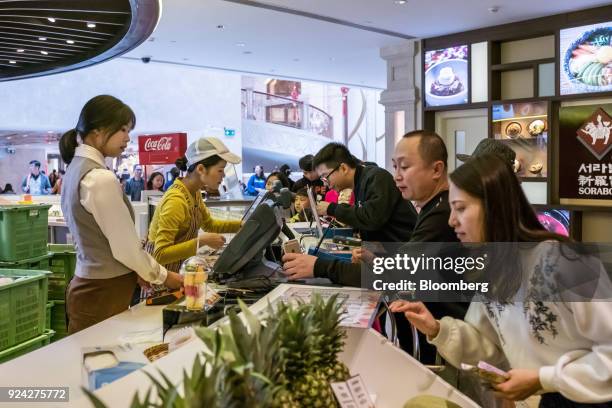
(289, 45)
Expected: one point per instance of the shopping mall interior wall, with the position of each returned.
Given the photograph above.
(165, 98)
(15, 167)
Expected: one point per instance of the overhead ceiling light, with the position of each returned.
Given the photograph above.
(493, 9)
(400, 2)
(51, 19)
(247, 52)
(240, 44)
(91, 25)
(220, 26)
(44, 52)
(296, 60)
(42, 38)
(12, 62)
(185, 59)
(49, 131)
(69, 41)
(20, 50)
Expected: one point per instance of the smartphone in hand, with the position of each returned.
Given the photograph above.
(487, 372)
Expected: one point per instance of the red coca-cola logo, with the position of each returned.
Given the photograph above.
(161, 144)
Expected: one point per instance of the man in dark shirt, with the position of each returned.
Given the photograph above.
(311, 178)
(420, 163)
(379, 212)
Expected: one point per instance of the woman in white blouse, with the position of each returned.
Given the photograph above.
(561, 349)
(110, 257)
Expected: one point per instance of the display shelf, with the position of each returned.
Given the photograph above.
(513, 66)
(533, 179)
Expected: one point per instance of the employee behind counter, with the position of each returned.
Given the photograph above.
(100, 217)
(173, 233)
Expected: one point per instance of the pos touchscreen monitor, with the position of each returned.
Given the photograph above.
(245, 250)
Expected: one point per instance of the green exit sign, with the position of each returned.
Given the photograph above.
(229, 132)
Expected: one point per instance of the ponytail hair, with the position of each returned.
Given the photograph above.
(67, 145)
(102, 112)
(181, 163)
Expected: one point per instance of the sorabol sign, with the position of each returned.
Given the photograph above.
(161, 149)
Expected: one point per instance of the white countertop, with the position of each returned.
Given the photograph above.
(59, 364)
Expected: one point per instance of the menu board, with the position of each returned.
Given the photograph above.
(557, 221)
(585, 158)
(586, 59)
(359, 305)
(446, 76)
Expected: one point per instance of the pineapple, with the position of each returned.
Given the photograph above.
(331, 341)
(302, 375)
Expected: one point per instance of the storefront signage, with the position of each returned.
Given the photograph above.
(585, 158)
(161, 149)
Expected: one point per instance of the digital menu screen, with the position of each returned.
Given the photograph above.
(446, 76)
(586, 59)
(557, 221)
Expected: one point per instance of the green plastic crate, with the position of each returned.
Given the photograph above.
(22, 306)
(58, 320)
(25, 347)
(23, 231)
(48, 312)
(40, 263)
(62, 265)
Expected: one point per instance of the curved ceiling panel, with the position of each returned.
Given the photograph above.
(40, 37)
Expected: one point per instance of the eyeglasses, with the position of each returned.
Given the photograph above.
(325, 179)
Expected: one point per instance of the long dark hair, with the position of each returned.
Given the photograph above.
(102, 112)
(152, 177)
(508, 215)
(508, 218)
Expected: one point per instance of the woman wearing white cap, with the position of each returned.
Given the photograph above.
(173, 233)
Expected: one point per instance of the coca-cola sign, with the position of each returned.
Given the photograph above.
(161, 144)
(161, 149)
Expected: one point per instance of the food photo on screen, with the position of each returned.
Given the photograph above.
(586, 59)
(446, 76)
(557, 221)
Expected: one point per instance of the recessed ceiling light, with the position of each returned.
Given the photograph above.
(20, 50)
(49, 131)
(69, 41)
(493, 9)
(220, 26)
(185, 59)
(51, 19)
(91, 25)
(12, 62)
(240, 44)
(173, 41)
(44, 52)
(247, 52)
(332, 58)
(152, 39)
(296, 60)
(401, 2)
(42, 38)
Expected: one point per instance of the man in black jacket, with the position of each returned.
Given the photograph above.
(310, 178)
(420, 163)
(379, 213)
(421, 176)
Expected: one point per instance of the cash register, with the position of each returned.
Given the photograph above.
(241, 271)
